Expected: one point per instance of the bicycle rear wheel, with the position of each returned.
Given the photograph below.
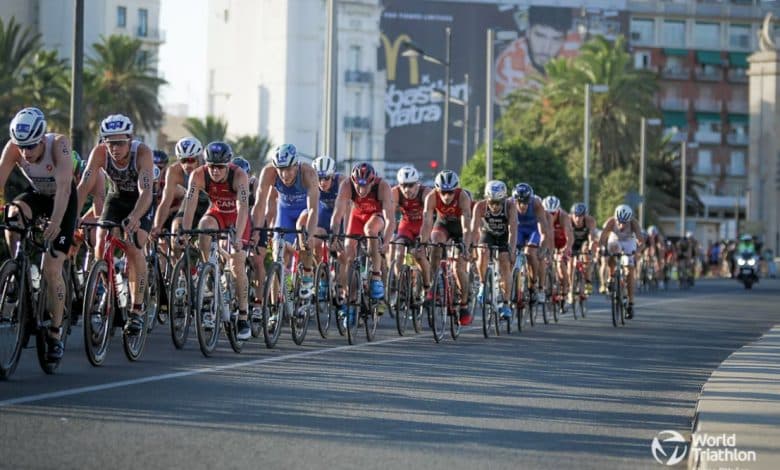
(134, 344)
(403, 300)
(354, 303)
(180, 303)
(439, 306)
(273, 305)
(12, 310)
(98, 313)
(152, 294)
(207, 321)
(231, 325)
(323, 299)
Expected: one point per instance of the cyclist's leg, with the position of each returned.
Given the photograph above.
(23, 202)
(373, 228)
(137, 274)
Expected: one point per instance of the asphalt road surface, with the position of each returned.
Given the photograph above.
(576, 394)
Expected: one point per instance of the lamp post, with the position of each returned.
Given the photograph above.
(411, 50)
(76, 97)
(642, 164)
(586, 139)
(465, 122)
(683, 181)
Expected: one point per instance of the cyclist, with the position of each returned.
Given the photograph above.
(533, 229)
(452, 207)
(685, 256)
(371, 215)
(94, 203)
(328, 181)
(563, 238)
(129, 167)
(622, 233)
(584, 240)
(244, 164)
(495, 219)
(409, 199)
(654, 250)
(45, 161)
(160, 159)
(298, 193)
(228, 188)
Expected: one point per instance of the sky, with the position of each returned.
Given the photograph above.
(183, 54)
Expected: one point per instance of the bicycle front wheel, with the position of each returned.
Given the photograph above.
(354, 303)
(207, 309)
(615, 302)
(180, 303)
(323, 296)
(403, 299)
(273, 305)
(487, 305)
(12, 309)
(299, 319)
(439, 306)
(98, 313)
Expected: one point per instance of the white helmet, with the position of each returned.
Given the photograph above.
(652, 230)
(495, 190)
(551, 203)
(188, 147)
(688, 234)
(446, 180)
(116, 124)
(623, 213)
(285, 155)
(27, 127)
(408, 175)
(156, 172)
(324, 166)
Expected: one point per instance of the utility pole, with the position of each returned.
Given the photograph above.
(77, 92)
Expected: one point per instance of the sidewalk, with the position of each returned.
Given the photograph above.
(739, 410)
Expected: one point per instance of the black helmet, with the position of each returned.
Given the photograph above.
(219, 153)
(160, 157)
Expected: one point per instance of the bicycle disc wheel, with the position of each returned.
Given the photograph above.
(439, 306)
(354, 303)
(12, 310)
(98, 313)
(323, 303)
(299, 317)
(180, 303)
(403, 300)
(273, 305)
(207, 320)
(487, 305)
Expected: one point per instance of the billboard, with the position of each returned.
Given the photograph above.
(413, 116)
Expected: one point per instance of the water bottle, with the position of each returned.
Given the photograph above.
(35, 277)
(121, 283)
(225, 299)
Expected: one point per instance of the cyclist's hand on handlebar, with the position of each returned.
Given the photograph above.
(131, 224)
(51, 231)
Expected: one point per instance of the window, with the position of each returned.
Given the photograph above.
(706, 35)
(673, 33)
(641, 60)
(642, 31)
(354, 58)
(358, 109)
(704, 162)
(143, 58)
(737, 167)
(143, 22)
(121, 17)
(739, 36)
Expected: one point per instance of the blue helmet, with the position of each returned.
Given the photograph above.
(523, 192)
(242, 163)
(160, 157)
(579, 209)
(219, 153)
(285, 155)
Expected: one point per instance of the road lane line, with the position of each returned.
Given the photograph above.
(235, 365)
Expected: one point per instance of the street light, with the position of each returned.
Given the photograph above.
(492, 37)
(683, 176)
(642, 164)
(412, 50)
(586, 144)
(440, 94)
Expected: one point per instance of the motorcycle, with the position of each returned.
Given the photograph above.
(747, 269)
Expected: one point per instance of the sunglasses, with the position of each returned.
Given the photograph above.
(27, 147)
(450, 192)
(116, 142)
(188, 160)
(326, 178)
(408, 185)
(218, 167)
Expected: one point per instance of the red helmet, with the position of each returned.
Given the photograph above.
(363, 174)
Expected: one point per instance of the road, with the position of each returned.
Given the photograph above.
(577, 394)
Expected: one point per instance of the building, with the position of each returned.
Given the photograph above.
(54, 20)
(277, 88)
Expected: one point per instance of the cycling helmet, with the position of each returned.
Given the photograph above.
(579, 209)
(363, 174)
(324, 166)
(623, 213)
(160, 157)
(446, 180)
(188, 147)
(242, 163)
(27, 127)
(523, 192)
(688, 234)
(551, 204)
(408, 175)
(219, 153)
(495, 190)
(285, 155)
(156, 172)
(116, 124)
(652, 230)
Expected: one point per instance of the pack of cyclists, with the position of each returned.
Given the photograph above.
(300, 209)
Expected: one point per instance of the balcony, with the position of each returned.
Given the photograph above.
(707, 136)
(740, 139)
(706, 104)
(356, 123)
(151, 35)
(672, 103)
(738, 75)
(737, 107)
(357, 77)
(676, 73)
(709, 74)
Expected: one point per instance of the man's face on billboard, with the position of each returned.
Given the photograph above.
(544, 43)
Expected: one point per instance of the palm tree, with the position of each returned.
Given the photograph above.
(121, 80)
(252, 147)
(208, 130)
(47, 83)
(17, 50)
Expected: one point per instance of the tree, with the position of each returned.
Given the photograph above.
(17, 51)
(252, 147)
(612, 191)
(208, 130)
(120, 79)
(47, 84)
(515, 161)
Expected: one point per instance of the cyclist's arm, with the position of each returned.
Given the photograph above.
(385, 195)
(267, 176)
(241, 187)
(512, 214)
(145, 179)
(427, 225)
(394, 191)
(567, 227)
(637, 232)
(169, 194)
(465, 217)
(609, 225)
(191, 199)
(10, 156)
(98, 193)
(97, 158)
(311, 182)
(479, 213)
(544, 222)
(341, 206)
(63, 178)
